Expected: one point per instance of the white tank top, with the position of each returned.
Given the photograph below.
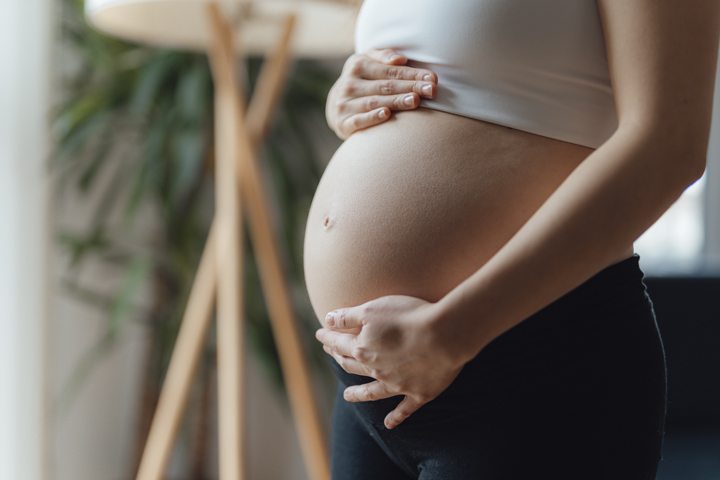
(534, 65)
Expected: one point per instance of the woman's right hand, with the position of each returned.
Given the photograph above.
(371, 85)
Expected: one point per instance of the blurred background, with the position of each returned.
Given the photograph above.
(106, 198)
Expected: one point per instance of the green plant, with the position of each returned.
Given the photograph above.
(148, 113)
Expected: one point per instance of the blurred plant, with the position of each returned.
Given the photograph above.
(148, 113)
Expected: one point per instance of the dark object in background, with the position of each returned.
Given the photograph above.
(689, 320)
(688, 315)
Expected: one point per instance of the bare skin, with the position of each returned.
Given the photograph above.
(416, 205)
(422, 269)
(370, 86)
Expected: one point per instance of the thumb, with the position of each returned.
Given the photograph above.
(345, 318)
(406, 408)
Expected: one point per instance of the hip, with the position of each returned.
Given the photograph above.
(597, 345)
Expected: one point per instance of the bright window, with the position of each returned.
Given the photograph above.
(674, 244)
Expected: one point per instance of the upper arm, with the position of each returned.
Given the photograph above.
(663, 56)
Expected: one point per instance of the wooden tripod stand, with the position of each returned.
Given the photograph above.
(238, 180)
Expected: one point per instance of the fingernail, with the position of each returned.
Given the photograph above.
(330, 319)
(427, 90)
(346, 394)
(394, 57)
(428, 78)
(382, 115)
(409, 100)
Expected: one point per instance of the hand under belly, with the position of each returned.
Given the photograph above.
(416, 205)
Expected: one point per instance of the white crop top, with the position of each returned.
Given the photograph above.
(534, 65)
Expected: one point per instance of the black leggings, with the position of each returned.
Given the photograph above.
(576, 391)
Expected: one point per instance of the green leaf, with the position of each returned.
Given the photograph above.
(188, 148)
(151, 81)
(80, 136)
(152, 159)
(98, 159)
(194, 92)
(77, 112)
(135, 277)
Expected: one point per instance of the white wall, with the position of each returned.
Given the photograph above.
(712, 187)
(25, 30)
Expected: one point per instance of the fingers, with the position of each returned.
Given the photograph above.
(342, 343)
(372, 110)
(350, 124)
(368, 392)
(406, 99)
(390, 87)
(387, 55)
(377, 71)
(371, 83)
(359, 117)
(376, 65)
(407, 407)
(402, 101)
(347, 317)
(349, 364)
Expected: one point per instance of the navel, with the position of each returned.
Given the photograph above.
(328, 221)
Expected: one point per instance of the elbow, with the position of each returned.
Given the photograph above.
(697, 175)
(688, 153)
(684, 156)
(680, 149)
(690, 167)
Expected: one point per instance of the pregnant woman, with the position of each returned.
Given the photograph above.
(471, 261)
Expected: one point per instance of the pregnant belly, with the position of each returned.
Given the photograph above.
(414, 206)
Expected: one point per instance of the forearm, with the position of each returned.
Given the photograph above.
(613, 196)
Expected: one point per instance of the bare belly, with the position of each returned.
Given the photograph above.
(417, 204)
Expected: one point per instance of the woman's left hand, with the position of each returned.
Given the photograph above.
(400, 344)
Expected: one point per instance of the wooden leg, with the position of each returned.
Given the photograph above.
(269, 86)
(284, 324)
(312, 437)
(183, 362)
(255, 201)
(229, 257)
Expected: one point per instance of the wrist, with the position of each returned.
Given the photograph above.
(459, 332)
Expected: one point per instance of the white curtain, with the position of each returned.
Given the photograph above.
(25, 32)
